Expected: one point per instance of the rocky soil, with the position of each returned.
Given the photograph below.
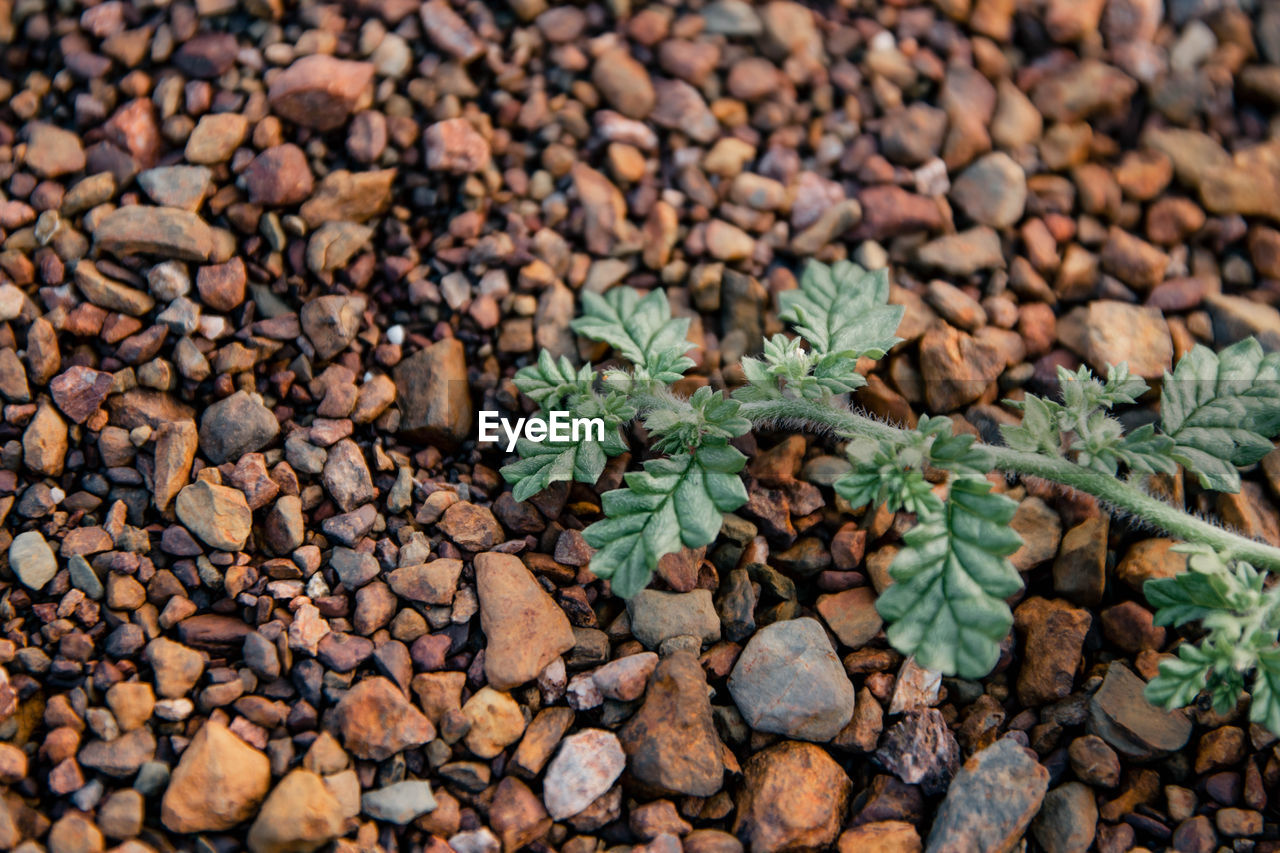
(261, 263)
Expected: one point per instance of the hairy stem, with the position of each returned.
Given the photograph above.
(1117, 493)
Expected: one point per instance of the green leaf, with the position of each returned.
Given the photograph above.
(641, 330)
(549, 382)
(1038, 432)
(842, 310)
(673, 503)
(946, 605)
(1264, 708)
(1222, 410)
(705, 418)
(543, 463)
(1180, 679)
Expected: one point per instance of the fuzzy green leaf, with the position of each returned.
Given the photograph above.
(707, 417)
(673, 503)
(550, 382)
(1222, 410)
(1038, 432)
(543, 463)
(1180, 679)
(946, 605)
(641, 330)
(1264, 708)
(842, 310)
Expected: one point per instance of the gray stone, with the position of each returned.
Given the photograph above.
(235, 426)
(992, 191)
(657, 616)
(1068, 819)
(991, 802)
(32, 560)
(1236, 318)
(399, 803)
(788, 681)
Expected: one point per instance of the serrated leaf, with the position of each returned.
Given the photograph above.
(1180, 680)
(1187, 596)
(707, 417)
(946, 605)
(641, 330)
(549, 382)
(675, 502)
(1221, 410)
(544, 463)
(843, 310)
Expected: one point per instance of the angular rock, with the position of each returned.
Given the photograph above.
(454, 145)
(52, 151)
(219, 782)
(301, 814)
(1055, 634)
(218, 515)
(279, 176)
(920, 750)
(234, 426)
(376, 721)
(524, 628)
(1120, 714)
(399, 803)
(79, 391)
(348, 196)
(671, 742)
(991, 802)
(435, 402)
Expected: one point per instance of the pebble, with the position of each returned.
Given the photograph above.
(659, 616)
(399, 803)
(319, 91)
(376, 721)
(1068, 819)
(32, 560)
(788, 681)
(991, 191)
(1054, 634)
(300, 814)
(585, 767)
(454, 145)
(168, 232)
(432, 392)
(234, 426)
(219, 516)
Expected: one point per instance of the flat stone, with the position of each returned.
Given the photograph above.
(52, 151)
(110, 294)
(399, 803)
(165, 231)
(788, 681)
(348, 196)
(122, 757)
(1108, 332)
(852, 615)
(1054, 633)
(334, 244)
(429, 583)
(183, 187)
(215, 138)
(454, 145)
(1236, 318)
(79, 391)
(175, 669)
(624, 83)
(279, 176)
(991, 802)
(1120, 714)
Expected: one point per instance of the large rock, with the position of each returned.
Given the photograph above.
(234, 426)
(435, 400)
(671, 742)
(788, 681)
(331, 322)
(165, 231)
(991, 802)
(52, 151)
(793, 798)
(524, 628)
(1108, 332)
(319, 91)
(218, 783)
(376, 721)
(1054, 634)
(300, 815)
(1120, 714)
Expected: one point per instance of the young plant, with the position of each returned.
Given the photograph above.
(952, 575)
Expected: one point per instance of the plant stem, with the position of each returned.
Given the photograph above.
(1109, 489)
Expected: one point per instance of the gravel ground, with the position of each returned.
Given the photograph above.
(262, 262)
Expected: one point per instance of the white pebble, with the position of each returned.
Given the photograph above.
(395, 335)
